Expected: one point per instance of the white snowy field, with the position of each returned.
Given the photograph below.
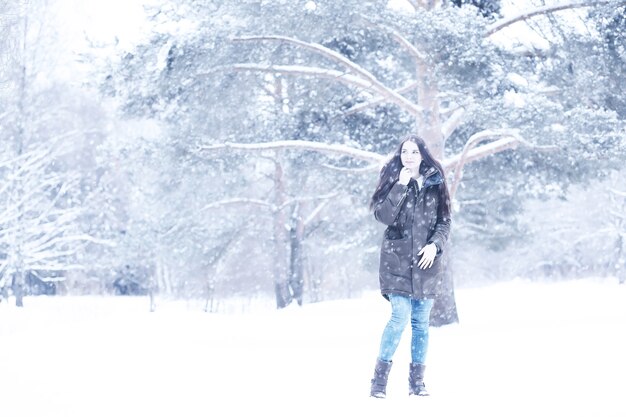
(521, 349)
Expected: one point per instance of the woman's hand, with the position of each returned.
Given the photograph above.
(428, 253)
(405, 176)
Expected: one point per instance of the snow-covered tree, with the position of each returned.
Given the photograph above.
(45, 148)
(360, 75)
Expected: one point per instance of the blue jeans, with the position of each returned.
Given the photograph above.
(401, 309)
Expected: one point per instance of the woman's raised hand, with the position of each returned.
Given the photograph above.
(405, 176)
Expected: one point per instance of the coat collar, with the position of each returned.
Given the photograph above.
(432, 177)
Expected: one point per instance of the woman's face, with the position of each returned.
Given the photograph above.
(410, 156)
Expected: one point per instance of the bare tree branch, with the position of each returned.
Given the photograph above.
(355, 68)
(307, 71)
(56, 266)
(502, 140)
(501, 24)
(452, 123)
(496, 146)
(401, 40)
(316, 211)
(263, 203)
(471, 143)
(447, 111)
(368, 168)
(230, 201)
(417, 4)
(362, 106)
(67, 239)
(335, 149)
(507, 140)
(315, 47)
(618, 192)
(303, 199)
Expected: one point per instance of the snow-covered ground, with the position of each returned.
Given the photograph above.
(521, 349)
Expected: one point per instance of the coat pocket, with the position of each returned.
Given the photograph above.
(395, 256)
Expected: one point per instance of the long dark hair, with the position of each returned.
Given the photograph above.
(390, 173)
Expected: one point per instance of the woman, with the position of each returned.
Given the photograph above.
(412, 200)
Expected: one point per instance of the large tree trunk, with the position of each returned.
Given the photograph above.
(296, 275)
(18, 187)
(154, 285)
(280, 270)
(429, 122)
(429, 127)
(160, 281)
(18, 287)
(620, 263)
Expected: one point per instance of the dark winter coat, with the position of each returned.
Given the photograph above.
(414, 219)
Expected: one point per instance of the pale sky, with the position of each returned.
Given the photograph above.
(61, 29)
(73, 24)
(103, 20)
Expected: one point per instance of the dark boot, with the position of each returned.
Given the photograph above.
(416, 380)
(379, 382)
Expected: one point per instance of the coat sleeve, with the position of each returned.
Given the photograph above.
(387, 211)
(442, 230)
